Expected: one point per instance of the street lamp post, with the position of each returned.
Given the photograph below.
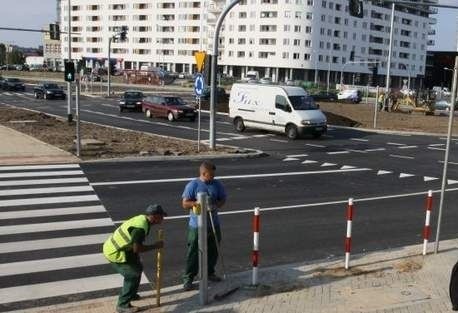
(316, 66)
(390, 52)
(109, 66)
(69, 84)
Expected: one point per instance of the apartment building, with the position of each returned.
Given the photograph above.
(52, 52)
(282, 39)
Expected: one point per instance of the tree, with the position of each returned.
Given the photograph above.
(2, 54)
(16, 57)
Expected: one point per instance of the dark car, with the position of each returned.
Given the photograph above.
(173, 108)
(220, 93)
(131, 100)
(324, 96)
(13, 84)
(48, 91)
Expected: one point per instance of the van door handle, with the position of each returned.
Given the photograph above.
(271, 113)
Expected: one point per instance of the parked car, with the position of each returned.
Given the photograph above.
(324, 96)
(13, 84)
(350, 95)
(173, 108)
(220, 93)
(265, 80)
(131, 100)
(48, 91)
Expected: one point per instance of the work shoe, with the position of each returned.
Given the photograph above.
(129, 309)
(187, 286)
(214, 278)
(136, 297)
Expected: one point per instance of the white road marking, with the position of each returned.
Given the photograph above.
(7, 94)
(262, 136)
(53, 264)
(29, 93)
(240, 137)
(314, 145)
(403, 175)
(347, 167)
(36, 174)
(451, 181)
(38, 167)
(62, 287)
(427, 178)
(173, 180)
(36, 191)
(444, 138)
(383, 172)
(375, 149)
(4, 183)
(395, 144)
(48, 200)
(296, 155)
(453, 163)
(338, 152)
(434, 148)
(51, 212)
(357, 151)
(328, 164)
(279, 140)
(290, 159)
(224, 139)
(437, 144)
(408, 147)
(359, 139)
(309, 162)
(401, 156)
(43, 244)
(40, 227)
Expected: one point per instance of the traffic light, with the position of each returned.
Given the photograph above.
(352, 55)
(54, 31)
(356, 8)
(69, 75)
(123, 33)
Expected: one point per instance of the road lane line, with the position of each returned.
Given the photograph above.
(52, 212)
(38, 167)
(48, 200)
(279, 140)
(8, 183)
(401, 156)
(359, 139)
(434, 148)
(395, 144)
(375, 149)
(408, 147)
(37, 191)
(174, 180)
(40, 227)
(296, 155)
(314, 145)
(437, 144)
(338, 152)
(453, 163)
(36, 174)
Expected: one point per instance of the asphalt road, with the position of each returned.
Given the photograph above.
(302, 188)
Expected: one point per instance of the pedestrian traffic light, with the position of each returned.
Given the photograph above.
(356, 8)
(69, 74)
(352, 55)
(54, 31)
(123, 33)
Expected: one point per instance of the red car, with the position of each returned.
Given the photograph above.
(173, 108)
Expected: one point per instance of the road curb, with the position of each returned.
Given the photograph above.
(388, 131)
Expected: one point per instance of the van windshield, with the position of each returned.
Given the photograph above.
(302, 103)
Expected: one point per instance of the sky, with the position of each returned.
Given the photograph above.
(38, 13)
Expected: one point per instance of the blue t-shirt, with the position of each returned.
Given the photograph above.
(215, 191)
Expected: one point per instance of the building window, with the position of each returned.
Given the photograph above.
(286, 28)
(308, 43)
(241, 54)
(296, 42)
(297, 14)
(309, 15)
(285, 55)
(323, 4)
(286, 41)
(295, 56)
(306, 57)
(297, 28)
(287, 14)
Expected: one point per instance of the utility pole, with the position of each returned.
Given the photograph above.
(390, 52)
(109, 65)
(69, 84)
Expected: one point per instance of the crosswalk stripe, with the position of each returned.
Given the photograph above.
(43, 244)
(61, 288)
(38, 167)
(40, 227)
(38, 174)
(48, 200)
(36, 191)
(52, 212)
(31, 182)
(53, 264)
(7, 94)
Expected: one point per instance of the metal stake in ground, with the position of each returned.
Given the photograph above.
(427, 228)
(203, 252)
(160, 237)
(348, 238)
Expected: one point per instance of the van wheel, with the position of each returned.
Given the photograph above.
(239, 125)
(170, 117)
(148, 114)
(291, 131)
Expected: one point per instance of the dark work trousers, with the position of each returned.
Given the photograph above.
(192, 256)
(132, 273)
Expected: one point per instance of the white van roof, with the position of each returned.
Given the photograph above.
(290, 90)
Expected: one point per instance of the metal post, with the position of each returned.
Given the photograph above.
(447, 152)
(329, 72)
(390, 52)
(69, 84)
(160, 237)
(219, 23)
(77, 104)
(198, 124)
(376, 108)
(316, 67)
(367, 95)
(109, 66)
(203, 252)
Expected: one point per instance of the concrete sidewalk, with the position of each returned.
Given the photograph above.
(18, 148)
(395, 281)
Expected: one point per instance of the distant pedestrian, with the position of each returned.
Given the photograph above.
(380, 101)
(206, 183)
(122, 249)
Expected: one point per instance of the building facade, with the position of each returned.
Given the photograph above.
(52, 52)
(282, 39)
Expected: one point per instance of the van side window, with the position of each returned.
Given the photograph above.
(281, 103)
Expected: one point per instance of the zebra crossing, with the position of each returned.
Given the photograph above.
(52, 226)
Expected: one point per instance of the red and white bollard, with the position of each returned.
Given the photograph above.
(348, 238)
(255, 256)
(427, 228)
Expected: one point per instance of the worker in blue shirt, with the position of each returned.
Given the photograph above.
(207, 183)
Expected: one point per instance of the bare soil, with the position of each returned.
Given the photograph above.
(117, 142)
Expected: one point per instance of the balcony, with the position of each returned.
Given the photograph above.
(431, 32)
(432, 21)
(431, 42)
(433, 10)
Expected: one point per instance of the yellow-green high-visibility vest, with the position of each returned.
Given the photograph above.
(115, 247)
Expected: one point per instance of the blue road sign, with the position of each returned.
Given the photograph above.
(199, 85)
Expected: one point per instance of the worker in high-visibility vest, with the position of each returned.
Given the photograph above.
(123, 247)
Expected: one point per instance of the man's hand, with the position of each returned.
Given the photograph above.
(197, 208)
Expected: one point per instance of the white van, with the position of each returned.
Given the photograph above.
(285, 109)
